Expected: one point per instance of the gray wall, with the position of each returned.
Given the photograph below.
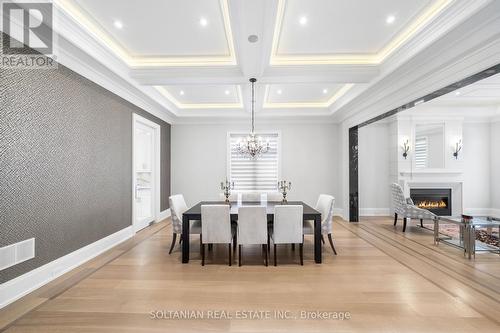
(65, 163)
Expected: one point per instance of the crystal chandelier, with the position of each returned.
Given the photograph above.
(252, 146)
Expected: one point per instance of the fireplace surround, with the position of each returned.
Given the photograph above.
(436, 200)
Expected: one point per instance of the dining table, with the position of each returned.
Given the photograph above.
(194, 213)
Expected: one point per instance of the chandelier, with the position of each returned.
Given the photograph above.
(252, 146)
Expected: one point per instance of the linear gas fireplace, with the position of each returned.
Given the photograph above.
(437, 200)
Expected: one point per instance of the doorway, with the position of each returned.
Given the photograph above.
(145, 172)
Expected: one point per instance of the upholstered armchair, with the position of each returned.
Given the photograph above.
(325, 207)
(177, 208)
(405, 208)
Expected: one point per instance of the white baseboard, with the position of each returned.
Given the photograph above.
(163, 215)
(495, 212)
(338, 212)
(14, 289)
(374, 212)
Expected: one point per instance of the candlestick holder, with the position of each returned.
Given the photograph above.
(227, 186)
(284, 186)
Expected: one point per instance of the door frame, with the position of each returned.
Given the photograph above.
(156, 170)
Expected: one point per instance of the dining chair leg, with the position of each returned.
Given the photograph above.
(203, 254)
(422, 223)
(239, 255)
(173, 242)
(322, 239)
(265, 250)
(301, 250)
(180, 239)
(230, 250)
(268, 244)
(331, 243)
(395, 218)
(275, 263)
(235, 241)
(404, 224)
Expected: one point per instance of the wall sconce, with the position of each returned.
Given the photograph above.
(457, 149)
(406, 148)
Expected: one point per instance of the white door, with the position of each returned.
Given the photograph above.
(146, 172)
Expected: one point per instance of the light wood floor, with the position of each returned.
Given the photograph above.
(388, 281)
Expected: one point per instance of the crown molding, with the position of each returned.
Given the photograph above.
(469, 48)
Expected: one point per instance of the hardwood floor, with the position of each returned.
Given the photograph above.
(386, 280)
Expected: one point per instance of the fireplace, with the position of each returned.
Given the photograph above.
(436, 200)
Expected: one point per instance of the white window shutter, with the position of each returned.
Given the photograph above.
(421, 150)
(259, 174)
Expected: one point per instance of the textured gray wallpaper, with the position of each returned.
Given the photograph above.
(65, 162)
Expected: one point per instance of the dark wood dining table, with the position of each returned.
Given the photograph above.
(194, 213)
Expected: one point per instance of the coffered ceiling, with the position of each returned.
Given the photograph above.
(160, 33)
(310, 56)
(346, 32)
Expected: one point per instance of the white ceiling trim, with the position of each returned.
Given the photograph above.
(102, 36)
(367, 59)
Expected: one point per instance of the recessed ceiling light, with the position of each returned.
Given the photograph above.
(181, 92)
(457, 93)
(118, 24)
(390, 19)
(203, 22)
(227, 92)
(279, 91)
(325, 91)
(303, 20)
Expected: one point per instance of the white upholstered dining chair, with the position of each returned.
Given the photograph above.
(252, 196)
(325, 207)
(177, 208)
(216, 228)
(287, 227)
(252, 228)
(274, 196)
(405, 208)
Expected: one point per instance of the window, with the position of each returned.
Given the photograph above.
(260, 174)
(421, 151)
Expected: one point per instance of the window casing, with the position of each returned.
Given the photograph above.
(254, 175)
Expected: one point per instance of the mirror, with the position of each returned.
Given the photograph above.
(429, 146)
